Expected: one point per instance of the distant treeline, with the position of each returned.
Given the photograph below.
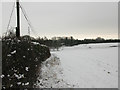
(57, 42)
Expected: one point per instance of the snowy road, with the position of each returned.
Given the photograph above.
(87, 66)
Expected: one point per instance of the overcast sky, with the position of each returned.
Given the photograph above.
(78, 19)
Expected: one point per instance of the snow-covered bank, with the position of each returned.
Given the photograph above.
(90, 65)
(52, 74)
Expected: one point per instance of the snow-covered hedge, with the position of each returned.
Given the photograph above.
(21, 60)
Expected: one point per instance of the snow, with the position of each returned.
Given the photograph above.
(8, 75)
(18, 83)
(18, 40)
(26, 68)
(9, 55)
(43, 45)
(14, 70)
(2, 76)
(35, 43)
(24, 56)
(23, 84)
(11, 85)
(13, 52)
(26, 83)
(82, 66)
(19, 76)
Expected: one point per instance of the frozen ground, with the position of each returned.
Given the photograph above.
(81, 66)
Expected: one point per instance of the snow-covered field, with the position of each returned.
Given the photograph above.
(82, 66)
